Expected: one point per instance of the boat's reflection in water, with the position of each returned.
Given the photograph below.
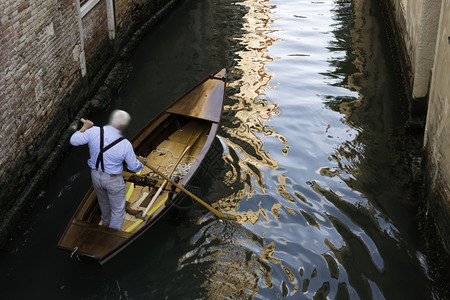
(227, 260)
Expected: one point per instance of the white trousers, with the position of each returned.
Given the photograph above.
(111, 194)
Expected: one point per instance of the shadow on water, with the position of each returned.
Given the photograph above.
(305, 160)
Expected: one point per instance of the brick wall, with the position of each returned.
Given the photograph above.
(37, 66)
(95, 30)
(123, 14)
(95, 35)
(44, 51)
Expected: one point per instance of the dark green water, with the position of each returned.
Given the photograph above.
(309, 132)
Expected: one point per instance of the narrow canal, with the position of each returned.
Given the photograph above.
(309, 132)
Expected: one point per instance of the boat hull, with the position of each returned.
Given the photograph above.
(176, 142)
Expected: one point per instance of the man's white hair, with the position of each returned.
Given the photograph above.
(119, 118)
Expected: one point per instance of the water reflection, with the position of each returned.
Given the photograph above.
(230, 258)
(248, 111)
(306, 167)
(234, 260)
(313, 225)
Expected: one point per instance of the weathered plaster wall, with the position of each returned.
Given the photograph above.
(418, 21)
(424, 28)
(423, 21)
(437, 130)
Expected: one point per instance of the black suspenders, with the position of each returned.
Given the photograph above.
(103, 150)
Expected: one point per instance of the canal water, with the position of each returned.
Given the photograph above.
(308, 163)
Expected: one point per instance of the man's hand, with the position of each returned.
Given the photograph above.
(141, 159)
(86, 125)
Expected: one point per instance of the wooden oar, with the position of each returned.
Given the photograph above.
(190, 143)
(209, 207)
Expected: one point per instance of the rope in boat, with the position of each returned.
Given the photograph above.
(159, 152)
(182, 168)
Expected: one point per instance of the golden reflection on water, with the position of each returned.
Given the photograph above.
(250, 110)
(282, 190)
(227, 267)
(247, 113)
(252, 217)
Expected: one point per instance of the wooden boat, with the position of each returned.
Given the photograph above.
(175, 142)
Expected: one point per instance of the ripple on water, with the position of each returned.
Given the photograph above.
(326, 238)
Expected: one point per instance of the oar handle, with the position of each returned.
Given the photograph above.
(209, 207)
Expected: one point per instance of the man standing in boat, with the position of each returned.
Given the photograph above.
(108, 150)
